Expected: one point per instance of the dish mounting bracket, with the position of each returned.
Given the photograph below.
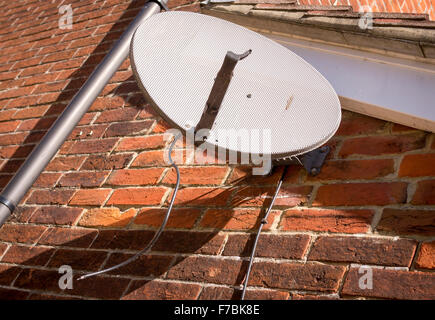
(312, 161)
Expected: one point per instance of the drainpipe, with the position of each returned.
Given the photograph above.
(79, 105)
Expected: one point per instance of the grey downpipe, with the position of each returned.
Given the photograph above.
(79, 105)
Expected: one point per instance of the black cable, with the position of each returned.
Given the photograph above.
(158, 233)
(262, 223)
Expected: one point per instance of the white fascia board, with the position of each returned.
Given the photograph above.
(393, 89)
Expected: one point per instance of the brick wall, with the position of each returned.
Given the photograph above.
(403, 6)
(102, 197)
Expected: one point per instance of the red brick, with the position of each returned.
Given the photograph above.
(379, 145)
(135, 177)
(425, 193)
(160, 290)
(355, 124)
(150, 158)
(401, 128)
(33, 256)
(3, 247)
(269, 246)
(208, 269)
(17, 92)
(203, 197)
(236, 219)
(355, 169)
(198, 175)
(363, 250)
(8, 274)
(132, 128)
(417, 165)
(87, 132)
(101, 162)
(59, 197)
(7, 114)
(15, 138)
(179, 218)
(137, 196)
(143, 266)
(122, 239)
(408, 222)
(11, 294)
(56, 215)
(105, 103)
(288, 196)
(83, 179)
(81, 238)
(15, 151)
(95, 287)
(209, 243)
(333, 220)
(141, 143)
(9, 126)
(426, 256)
(47, 180)
(361, 194)
(32, 112)
(107, 217)
(21, 233)
(309, 276)
(90, 260)
(91, 146)
(65, 164)
(225, 293)
(392, 284)
(124, 114)
(90, 197)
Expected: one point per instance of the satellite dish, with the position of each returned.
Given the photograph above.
(176, 57)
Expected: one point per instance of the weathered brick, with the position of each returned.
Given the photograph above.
(269, 246)
(379, 145)
(150, 158)
(197, 175)
(78, 259)
(243, 175)
(426, 256)
(8, 274)
(361, 194)
(124, 114)
(355, 124)
(309, 276)
(122, 239)
(392, 284)
(202, 196)
(141, 143)
(288, 196)
(135, 177)
(56, 215)
(190, 242)
(53, 197)
(12, 294)
(101, 162)
(33, 256)
(331, 220)
(32, 112)
(225, 293)
(355, 169)
(107, 217)
(236, 219)
(9, 126)
(81, 238)
(65, 163)
(179, 218)
(87, 132)
(3, 248)
(363, 250)
(208, 269)
(21, 233)
(417, 165)
(137, 196)
(91, 146)
(160, 290)
(143, 266)
(132, 128)
(82, 179)
(425, 193)
(408, 222)
(47, 180)
(95, 287)
(94, 197)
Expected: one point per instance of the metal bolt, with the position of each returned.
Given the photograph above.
(249, 95)
(314, 171)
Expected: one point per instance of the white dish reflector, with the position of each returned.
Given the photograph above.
(176, 56)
